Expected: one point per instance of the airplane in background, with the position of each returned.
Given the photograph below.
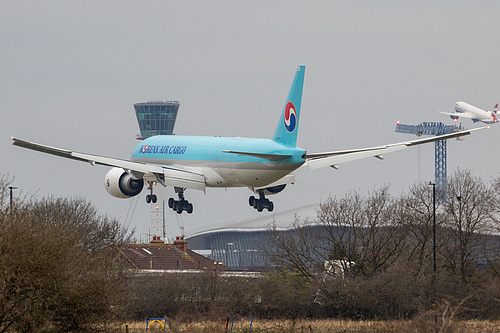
(473, 113)
(265, 166)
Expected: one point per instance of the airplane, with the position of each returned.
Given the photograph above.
(265, 166)
(465, 110)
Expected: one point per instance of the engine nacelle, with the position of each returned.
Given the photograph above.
(271, 190)
(123, 185)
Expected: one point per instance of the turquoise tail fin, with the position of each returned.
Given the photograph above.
(288, 126)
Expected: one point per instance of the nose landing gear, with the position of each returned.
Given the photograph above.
(261, 203)
(182, 204)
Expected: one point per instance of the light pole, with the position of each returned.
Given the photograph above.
(11, 188)
(433, 224)
(434, 245)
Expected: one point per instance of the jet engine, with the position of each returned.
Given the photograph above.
(121, 184)
(271, 190)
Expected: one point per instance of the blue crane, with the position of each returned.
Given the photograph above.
(433, 128)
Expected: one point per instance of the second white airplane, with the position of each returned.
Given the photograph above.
(465, 110)
(265, 166)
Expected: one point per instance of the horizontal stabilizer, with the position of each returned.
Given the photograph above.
(451, 113)
(467, 115)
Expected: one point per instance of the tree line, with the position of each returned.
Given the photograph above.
(61, 268)
(57, 271)
(385, 245)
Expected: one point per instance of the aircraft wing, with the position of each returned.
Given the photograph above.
(320, 160)
(165, 175)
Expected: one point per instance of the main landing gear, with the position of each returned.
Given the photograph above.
(182, 204)
(151, 197)
(261, 202)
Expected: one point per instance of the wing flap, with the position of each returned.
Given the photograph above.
(185, 179)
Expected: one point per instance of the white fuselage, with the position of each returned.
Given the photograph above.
(476, 114)
(216, 160)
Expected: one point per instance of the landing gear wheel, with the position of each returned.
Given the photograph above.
(148, 198)
(154, 198)
(261, 203)
(180, 205)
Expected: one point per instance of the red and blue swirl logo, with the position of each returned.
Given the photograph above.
(290, 117)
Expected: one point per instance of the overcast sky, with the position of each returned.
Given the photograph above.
(71, 72)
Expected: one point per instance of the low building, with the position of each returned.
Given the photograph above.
(159, 257)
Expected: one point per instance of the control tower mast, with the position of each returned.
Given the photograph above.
(156, 118)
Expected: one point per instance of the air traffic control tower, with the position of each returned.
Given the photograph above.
(156, 118)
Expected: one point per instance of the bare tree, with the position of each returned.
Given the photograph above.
(341, 219)
(364, 230)
(468, 212)
(53, 278)
(492, 252)
(97, 230)
(5, 182)
(299, 250)
(354, 228)
(496, 202)
(383, 240)
(418, 219)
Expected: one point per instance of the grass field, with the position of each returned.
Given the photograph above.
(319, 326)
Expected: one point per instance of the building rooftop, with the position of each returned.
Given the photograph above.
(166, 257)
(157, 102)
